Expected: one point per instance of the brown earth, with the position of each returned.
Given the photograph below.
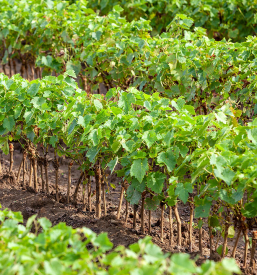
(18, 198)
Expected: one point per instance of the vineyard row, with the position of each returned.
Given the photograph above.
(223, 19)
(61, 250)
(166, 154)
(44, 38)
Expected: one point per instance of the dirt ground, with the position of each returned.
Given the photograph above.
(18, 198)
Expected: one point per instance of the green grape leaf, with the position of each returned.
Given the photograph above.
(183, 190)
(133, 196)
(149, 137)
(91, 153)
(103, 242)
(214, 221)
(53, 140)
(168, 159)
(112, 164)
(33, 89)
(98, 104)
(155, 181)
(221, 117)
(249, 210)
(183, 150)
(168, 137)
(97, 35)
(30, 221)
(139, 168)
(181, 264)
(180, 103)
(45, 223)
(9, 123)
(139, 186)
(72, 126)
(70, 73)
(38, 102)
(225, 174)
(203, 210)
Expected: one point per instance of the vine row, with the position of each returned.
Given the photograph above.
(166, 153)
(44, 38)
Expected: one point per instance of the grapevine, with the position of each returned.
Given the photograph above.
(176, 122)
(150, 136)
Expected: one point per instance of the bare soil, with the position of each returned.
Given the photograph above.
(25, 200)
